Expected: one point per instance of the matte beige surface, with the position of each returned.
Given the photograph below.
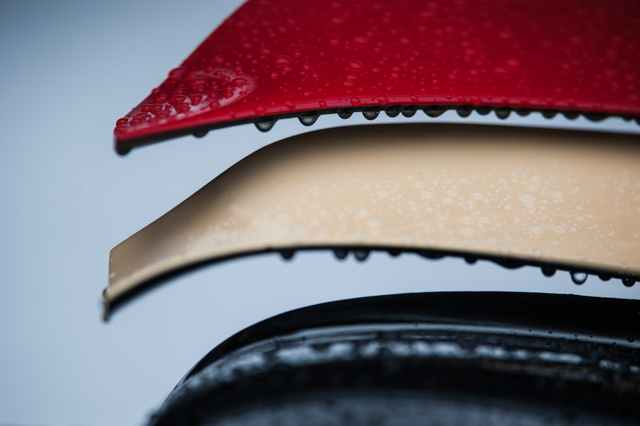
(539, 195)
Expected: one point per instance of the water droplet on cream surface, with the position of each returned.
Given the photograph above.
(579, 277)
(383, 192)
(477, 195)
(526, 197)
(558, 228)
(556, 194)
(537, 228)
(426, 193)
(418, 183)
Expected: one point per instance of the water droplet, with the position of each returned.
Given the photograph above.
(282, 61)
(537, 228)
(628, 282)
(355, 101)
(383, 100)
(630, 339)
(477, 195)
(579, 277)
(558, 228)
(383, 192)
(502, 113)
(548, 271)
(452, 192)
(355, 66)
(260, 110)
(491, 240)
(366, 186)
(464, 111)
(468, 230)
(447, 200)
(371, 115)
(363, 212)
(434, 111)
(361, 254)
(466, 219)
(556, 194)
(345, 113)
(537, 252)
(266, 125)
(287, 254)
(527, 197)
(484, 219)
(200, 133)
(426, 193)
(341, 254)
(409, 112)
(308, 120)
(418, 183)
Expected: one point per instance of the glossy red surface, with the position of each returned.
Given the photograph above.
(285, 57)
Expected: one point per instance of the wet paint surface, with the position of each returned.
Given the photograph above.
(273, 58)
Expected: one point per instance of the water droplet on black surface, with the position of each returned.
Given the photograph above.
(392, 112)
(200, 133)
(628, 282)
(523, 112)
(549, 113)
(484, 110)
(571, 115)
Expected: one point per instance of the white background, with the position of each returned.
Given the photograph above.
(68, 71)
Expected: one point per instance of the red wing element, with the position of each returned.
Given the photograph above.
(286, 58)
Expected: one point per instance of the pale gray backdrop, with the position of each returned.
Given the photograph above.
(68, 71)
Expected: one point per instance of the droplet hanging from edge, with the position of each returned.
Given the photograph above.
(470, 259)
(371, 115)
(200, 133)
(464, 111)
(579, 277)
(523, 112)
(434, 111)
(503, 113)
(287, 254)
(308, 120)
(392, 112)
(549, 114)
(628, 282)
(604, 277)
(345, 113)
(571, 115)
(594, 116)
(341, 254)
(483, 110)
(361, 254)
(548, 271)
(630, 339)
(409, 113)
(394, 252)
(266, 125)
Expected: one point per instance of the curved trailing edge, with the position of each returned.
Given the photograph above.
(274, 59)
(550, 198)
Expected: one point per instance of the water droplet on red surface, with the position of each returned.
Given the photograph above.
(355, 66)
(322, 104)
(122, 122)
(281, 61)
(355, 101)
(475, 100)
(383, 100)
(289, 105)
(260, 110)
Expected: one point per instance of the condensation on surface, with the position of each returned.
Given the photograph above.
(538, 195)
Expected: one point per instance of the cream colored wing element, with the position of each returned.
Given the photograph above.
(566, 198)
